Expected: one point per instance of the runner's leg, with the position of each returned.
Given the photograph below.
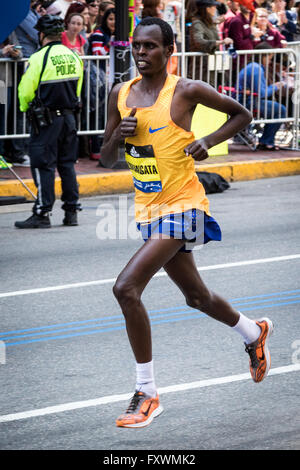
(183, 271)
(131, 282)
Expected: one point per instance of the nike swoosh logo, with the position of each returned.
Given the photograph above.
(147, 411)
(172, 221)
(155, 130)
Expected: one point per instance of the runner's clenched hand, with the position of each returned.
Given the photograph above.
(128, 125)
(197, 149)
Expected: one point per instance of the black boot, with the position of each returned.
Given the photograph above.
(70, 218)
(35, 221)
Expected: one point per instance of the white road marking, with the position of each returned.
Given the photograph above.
(159, 274)
(126, 396)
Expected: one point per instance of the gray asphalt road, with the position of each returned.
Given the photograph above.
(69, 345)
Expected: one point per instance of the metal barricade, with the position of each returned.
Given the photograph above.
(94, 97)
(247, 77)
(13, 122)
(223, 71)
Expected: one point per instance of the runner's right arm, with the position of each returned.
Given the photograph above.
(116, 130)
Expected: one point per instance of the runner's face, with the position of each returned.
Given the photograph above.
(148, 51)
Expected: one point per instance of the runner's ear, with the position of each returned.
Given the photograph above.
(170, 50)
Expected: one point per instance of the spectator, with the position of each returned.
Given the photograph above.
(100, 39)
(254, 76)
(284, 20)
(59, 5)
(263, 4)
(204, 34)
(191, 11)
(26, 34)
(239, 29)
(153, 8)
(138, 7)
(285, 72)
(204, 37)
(9, 49)
(172, 14)
(71, 37)
(93, 6)
(53, 9)
(261, 30)
(289, 5)
(102, 9)
(100, 46)
(233, 10)
(83, 9)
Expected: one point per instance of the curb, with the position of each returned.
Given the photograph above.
(121, 181)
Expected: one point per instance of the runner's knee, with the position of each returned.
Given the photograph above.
(200, 300)
(125, 293)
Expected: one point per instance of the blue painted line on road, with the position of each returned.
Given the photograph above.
(94, 326)
(271, 305)
(104, 322)
(79, 322)
(266, 300)
(106, 330)
(266, 295)
(155, 322)
(4, 335)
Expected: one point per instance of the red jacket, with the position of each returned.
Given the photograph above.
(272, 37)
(239, 30)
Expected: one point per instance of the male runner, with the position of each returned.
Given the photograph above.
(153, 113)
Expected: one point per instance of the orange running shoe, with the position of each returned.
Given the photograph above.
(140, 412)
(260, 359)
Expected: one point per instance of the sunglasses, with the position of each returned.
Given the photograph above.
(93, 5)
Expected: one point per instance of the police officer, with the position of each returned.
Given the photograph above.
(50, 90)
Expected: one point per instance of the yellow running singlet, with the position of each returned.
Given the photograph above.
(164, 176)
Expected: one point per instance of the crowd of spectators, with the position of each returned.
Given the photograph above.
(90, 26)
(247, 23)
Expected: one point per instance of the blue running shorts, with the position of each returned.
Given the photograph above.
(194, 226)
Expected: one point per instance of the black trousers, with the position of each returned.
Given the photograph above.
(55, 147)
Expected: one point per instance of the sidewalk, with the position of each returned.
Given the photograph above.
(240, 165)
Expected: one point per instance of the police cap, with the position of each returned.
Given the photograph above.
(50, 25)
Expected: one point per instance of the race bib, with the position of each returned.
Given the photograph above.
(143, 165)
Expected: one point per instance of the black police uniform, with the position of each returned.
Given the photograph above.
(53, 82)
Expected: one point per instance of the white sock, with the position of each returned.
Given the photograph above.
(248, 328)
(145, 378)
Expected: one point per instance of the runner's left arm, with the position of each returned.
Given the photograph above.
(197, 92)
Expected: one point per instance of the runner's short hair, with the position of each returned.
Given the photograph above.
(167, 32)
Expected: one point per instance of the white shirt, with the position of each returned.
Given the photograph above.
(170, 16)
(62, 6)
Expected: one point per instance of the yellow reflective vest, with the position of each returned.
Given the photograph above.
(61, 81)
